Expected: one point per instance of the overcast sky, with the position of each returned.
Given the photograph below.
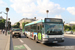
(19, 9)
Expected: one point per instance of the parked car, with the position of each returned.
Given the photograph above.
(16, 32)
(69, 32)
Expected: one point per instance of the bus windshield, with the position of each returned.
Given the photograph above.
(53, 29)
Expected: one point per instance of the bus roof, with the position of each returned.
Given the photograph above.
(42, 20)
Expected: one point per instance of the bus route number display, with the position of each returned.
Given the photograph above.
(53, 20)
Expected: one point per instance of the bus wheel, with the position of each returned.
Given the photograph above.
(20, 36)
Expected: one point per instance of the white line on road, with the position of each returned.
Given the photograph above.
(27, 47)
(20, 40)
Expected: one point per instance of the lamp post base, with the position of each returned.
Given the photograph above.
(6, 31)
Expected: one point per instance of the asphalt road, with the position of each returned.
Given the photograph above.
(29, 44)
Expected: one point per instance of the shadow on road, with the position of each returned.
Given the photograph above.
(23, 36)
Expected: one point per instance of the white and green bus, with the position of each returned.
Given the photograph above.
(47, 30)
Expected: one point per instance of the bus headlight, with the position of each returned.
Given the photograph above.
(45, 36)
(45, 39)
(13, 32)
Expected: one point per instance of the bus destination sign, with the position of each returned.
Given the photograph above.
(53, 20)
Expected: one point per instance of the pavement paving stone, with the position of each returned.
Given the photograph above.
(3, 41)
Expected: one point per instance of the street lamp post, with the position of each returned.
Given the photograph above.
(7, 9)
(47, 12)
(9, 24)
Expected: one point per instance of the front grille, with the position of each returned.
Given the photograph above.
(54, 39)
(58, 38)
(16, 33)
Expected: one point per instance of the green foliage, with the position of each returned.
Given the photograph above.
(23, 24)
(2, 24)
(17, 25)
(73, 27)
(67, 28)
(26, 22)
(73, 30)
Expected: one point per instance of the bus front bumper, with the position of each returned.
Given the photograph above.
(52, 40)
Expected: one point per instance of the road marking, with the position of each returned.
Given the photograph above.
(20, 40)
(19, 47)
(27, 47)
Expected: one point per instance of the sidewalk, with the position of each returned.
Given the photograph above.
(4, 42)
(73, 35)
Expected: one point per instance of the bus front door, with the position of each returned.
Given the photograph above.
(39, 34)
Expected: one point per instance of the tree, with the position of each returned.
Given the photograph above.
(17, 25)
(23, 24)
(73, 27)
(2, 24)
(26, 22)
(67, 28)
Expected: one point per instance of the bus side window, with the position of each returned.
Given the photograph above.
(38, 28)
(42, 28)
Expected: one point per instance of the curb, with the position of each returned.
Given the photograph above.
(8, 43)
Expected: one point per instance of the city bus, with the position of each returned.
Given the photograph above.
(47, 30)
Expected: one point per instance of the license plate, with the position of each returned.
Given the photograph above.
(55, 41)
(16, 34)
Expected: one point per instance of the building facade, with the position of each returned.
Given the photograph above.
(26, 20)
(70, 24)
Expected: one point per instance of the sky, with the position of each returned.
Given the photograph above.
(18, 9)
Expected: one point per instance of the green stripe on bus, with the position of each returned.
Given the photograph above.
(39, 36)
